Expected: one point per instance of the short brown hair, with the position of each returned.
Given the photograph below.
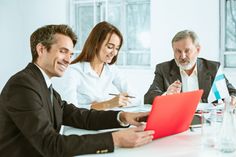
(94, 42)
(45, 36)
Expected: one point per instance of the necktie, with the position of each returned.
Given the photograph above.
(51, 98)
(51, 93)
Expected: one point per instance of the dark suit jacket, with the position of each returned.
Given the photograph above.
(28, 126)
(168, 72)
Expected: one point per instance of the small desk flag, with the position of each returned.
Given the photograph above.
(219, 88)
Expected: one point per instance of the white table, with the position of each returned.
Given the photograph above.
(185, 144)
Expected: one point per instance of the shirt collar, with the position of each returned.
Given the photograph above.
(45, 76)
(88, 68)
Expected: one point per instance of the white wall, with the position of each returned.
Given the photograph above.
(19, 18)
(11, 43)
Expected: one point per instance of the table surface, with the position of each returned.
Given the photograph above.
(185, 144)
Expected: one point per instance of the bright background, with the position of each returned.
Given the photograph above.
(19, 18)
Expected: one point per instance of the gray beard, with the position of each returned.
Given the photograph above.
(188, 66)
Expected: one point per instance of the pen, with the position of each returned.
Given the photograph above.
(125, 96)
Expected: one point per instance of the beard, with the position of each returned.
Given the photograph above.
(190, 63)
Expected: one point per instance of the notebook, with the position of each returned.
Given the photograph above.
(172, 114)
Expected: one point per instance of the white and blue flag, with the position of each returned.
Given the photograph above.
(219, 88)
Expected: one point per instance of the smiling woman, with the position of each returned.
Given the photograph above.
(93, 74)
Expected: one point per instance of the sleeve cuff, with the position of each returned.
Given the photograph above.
(120, 122)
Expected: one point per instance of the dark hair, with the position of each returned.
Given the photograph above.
(45, 36)
(94, 42)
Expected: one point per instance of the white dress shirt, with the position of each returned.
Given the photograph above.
(189, 83)
(82, 85)
(45, 76)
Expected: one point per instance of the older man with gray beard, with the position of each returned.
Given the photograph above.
(186, 72)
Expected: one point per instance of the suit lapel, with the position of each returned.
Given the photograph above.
(45, 94)
(55, 111)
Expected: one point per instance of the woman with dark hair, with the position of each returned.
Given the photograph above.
(93, 75)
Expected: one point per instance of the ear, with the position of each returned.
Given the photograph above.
(40, 48)
(198, 49)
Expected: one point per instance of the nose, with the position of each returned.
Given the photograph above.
(114, 52)
(67, 58)
(182, 55)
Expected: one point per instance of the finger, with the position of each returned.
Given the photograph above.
(142, 117)
(146, 133)
(124, 98)
(144, 137)
(136, 123)
(140, 131)
(144, 113)
(173, 87)
(139, 128)
(171, 91)
(135, 129)
(177, 86)
(143, 141)
(178, 82)
(124, 103)
(176, 89)
(233, 100)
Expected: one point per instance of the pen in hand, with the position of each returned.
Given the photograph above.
(129, 96)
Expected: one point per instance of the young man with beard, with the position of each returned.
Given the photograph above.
(186, 72)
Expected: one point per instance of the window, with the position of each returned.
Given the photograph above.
(132, 17)
(228, 33)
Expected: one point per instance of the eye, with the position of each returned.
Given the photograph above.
(63, 51)
(177, 51)
(71, 55)
(109, 46)
(187, 50)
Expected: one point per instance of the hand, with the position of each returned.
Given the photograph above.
(132, 137)
(119, 100)
(133, 118)
(233, 101)
(174, 88)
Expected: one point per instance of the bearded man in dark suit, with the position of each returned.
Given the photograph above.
(186, 72)
(31, 115)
